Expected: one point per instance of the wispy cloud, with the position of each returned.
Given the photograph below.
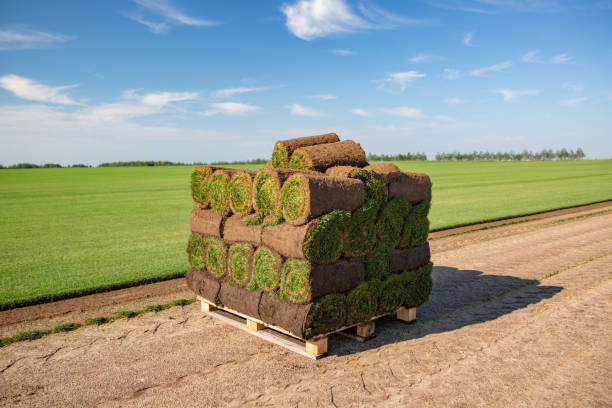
(360, 112)
(422, 58)
(344, 52)
(531, 57)
(495, 6)
(572, 86)
(561, 59)
(310, 19)
(454, 101)
(404, 111)
(450, 74)
(32, 90)
(300, 110)
(510, 94)
(169, 14)
(573, 101)
(231, 92)
(160, 99)
(23, 39)
(492, 68)
(230, 108)
(467, 39)
(401, 79)
(324, 97)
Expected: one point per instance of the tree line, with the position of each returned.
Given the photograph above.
(525, 155)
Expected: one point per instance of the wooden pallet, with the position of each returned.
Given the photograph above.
(315, 347)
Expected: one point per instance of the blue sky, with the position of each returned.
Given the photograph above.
(88, 82)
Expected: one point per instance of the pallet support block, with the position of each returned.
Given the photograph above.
(407, 314)
(206, 306)
(366, 330)
(317, 347)
(255, 325)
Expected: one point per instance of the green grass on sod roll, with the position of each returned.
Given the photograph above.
(361, 232)
(265, 193)
(298, 161)
(391, 221)
(325, 241)
(362, 302)
(265, 270)
(196, 252)
(218, 192)
(378, 262)
(418, 285)
(199, 185)
(278, 157)
(239, 190)
(216, 256)
(89, 223)
(327, 314)
(293, 198)
(392, 295)
(238, 263)
(294, 284)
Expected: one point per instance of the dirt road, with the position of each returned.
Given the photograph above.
(520, 315)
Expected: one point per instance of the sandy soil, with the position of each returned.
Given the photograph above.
(520, 315)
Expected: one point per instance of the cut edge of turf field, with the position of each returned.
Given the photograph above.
(138, 282)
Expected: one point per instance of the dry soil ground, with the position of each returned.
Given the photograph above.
(520, 315)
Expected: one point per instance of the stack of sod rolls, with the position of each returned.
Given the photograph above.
(314, 241)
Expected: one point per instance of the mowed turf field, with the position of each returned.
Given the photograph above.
(65, 232)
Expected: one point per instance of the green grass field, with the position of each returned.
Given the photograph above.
(71, 231)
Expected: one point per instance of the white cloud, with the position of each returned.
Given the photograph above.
(344, 52)
(325, 97)
(231, 92)
(360, 112)
(401, 79)
(156, 28)
(422, 58)
(299, 110)
(510, 94)
(310, 19)
(494, 6)
(573, 101)
(34, 91)
(561, 59)
(170, 14)
(455, 101)
(22, 39)
(404, 111)
(230, 108)
(531, 56)
(492, 68)
(573, 86)
(450, 74)
(467, 39)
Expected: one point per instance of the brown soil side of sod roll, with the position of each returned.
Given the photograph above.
(206, 222)
(290, 145)
(224, 207)
(406, 259)
(203, 285)
(324, 194)
(289, 316)
(234, 230)
(345, 153)
(240, 300)
(388, 171)
(337, 277)
(249, 176)
(414, 187)
(286, 239)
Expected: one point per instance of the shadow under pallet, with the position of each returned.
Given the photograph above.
(315, 347)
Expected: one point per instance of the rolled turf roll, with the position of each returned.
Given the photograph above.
(323, 156)
(302, 281)
(387, 171)
(349, 172)
(241, 191)
(265, 272)
(413, 187)
(418, 285)
(361, 232)
(206, 222)
(378, 262)
(218, 190)
(307, 196)
(326, 314)
(362, 302)
(405, 259)
(391, 221)
(319, 241)
(235, 230)
(240, 299)
(284, 148)
(393, 294)
(239, 263)
(200, 178)
(416, 225)
(266, 195)
(203, 285)
(216, 257)
(376, 189)
(196, 252)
